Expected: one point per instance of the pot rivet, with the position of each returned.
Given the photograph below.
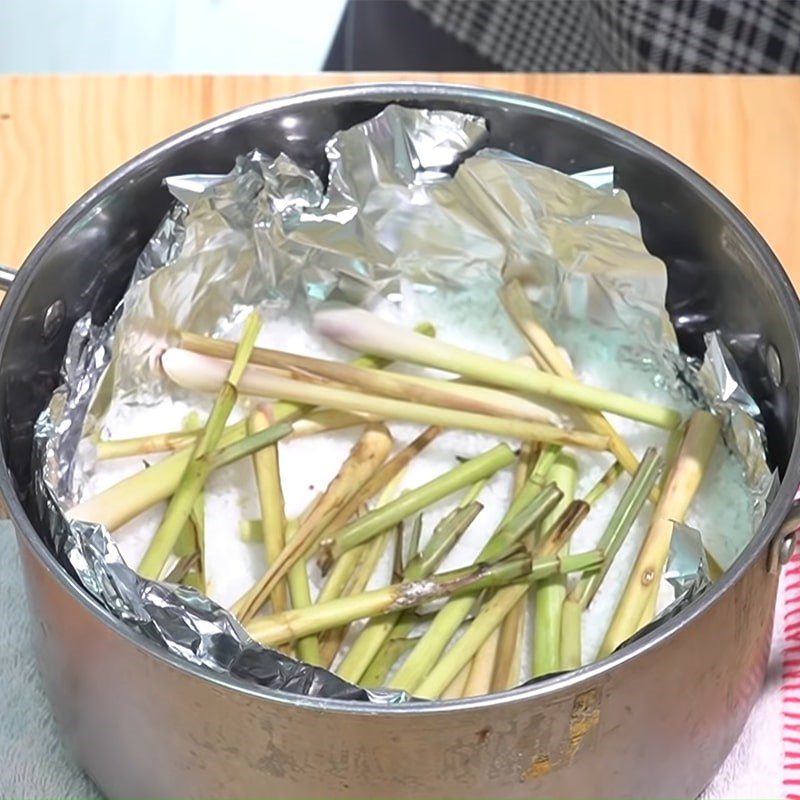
(786, 550)
(53, 319)
(774, 368)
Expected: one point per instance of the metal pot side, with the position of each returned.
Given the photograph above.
(656, 720)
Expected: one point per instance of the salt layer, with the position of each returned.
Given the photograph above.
(722, 510)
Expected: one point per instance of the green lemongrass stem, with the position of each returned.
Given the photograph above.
(536, 480)
(361, 330)
(508, 535)
(685, 476)
(198, 468)
(444, 536)
(474, 492)
(620, 524)
(332, 639)
(365, 457)
(326, 420)
(125, 500)
(414, 388)
(455, 689)
(482, 665)
(383, 477)
(524, 466)
(521, 312)
(270, 498)
(250, 531)
(376, 632)
(242, 448)
(345, 567)
(447, 621)
(507, 644)
(459, 477)
(490, 616)
(192, 542)
(551, 592)
(204, 373)
(279, 628)
(144, 445)
(509, 648)
(307, 647)
(570, 656)
(378, 670)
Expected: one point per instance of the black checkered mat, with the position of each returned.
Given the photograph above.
(746, 36)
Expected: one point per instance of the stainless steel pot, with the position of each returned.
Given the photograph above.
(655, 720)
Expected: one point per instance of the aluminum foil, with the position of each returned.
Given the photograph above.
(411, 200)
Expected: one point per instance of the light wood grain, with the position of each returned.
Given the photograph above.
(59, 135)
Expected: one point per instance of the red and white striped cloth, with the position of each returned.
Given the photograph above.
(790, 688)
(765, 763)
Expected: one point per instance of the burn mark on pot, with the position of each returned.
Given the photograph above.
(540, 766)
(483, 734)
(584, 718)
(579, 733)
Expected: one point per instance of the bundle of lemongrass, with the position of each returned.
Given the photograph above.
(455, 632)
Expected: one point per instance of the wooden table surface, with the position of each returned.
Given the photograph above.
(59, 135)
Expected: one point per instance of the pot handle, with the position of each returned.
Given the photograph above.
(782, 547)
(6, 277)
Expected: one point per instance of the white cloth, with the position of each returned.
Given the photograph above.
(34, 764)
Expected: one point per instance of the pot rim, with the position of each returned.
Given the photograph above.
(404, 92)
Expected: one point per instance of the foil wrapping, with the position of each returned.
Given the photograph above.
(411, 200)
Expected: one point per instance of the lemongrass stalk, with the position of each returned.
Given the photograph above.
(361, 330)
(461, 476)
(325, 421)
(367, 454)
(509, 649)
(482, 665)
(521, 312)
(279, 628)
(143, 445)
(456, 687)
(376, 632)
(414, 388)
(204, 373)
(412, 548)
(509, 657)
(383, 477)
(690, 465)
(344, 568)
(474, 492)
(199, 468)
(125, 500)
(535, 482)
(337, 579)
(551, 592)
(486, 621)
(192, 541)
(270, 498)
(250, 531)
(307, 647)
(333, 638)
(523, 469)
(448, 619)
(376, 674)
(570, 657)
(508, 535)
(620, 524)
